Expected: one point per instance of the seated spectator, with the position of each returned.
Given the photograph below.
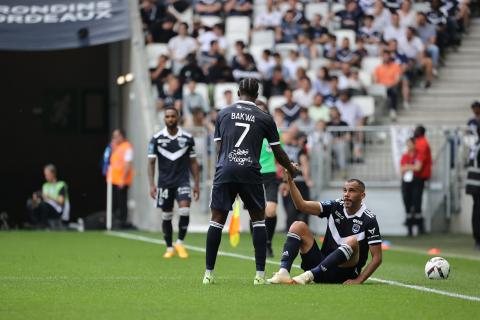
(278, 63)
(288, 30)
(317, 31)
(438, 18)
(279, 118)
(206, 38)
(151, 12)
(180, 47)
(219, 72)
(340, 140)
(228, 95)
(208, 7)
(407, 14)
(297, 8)
(321, 84)
(292, 63)
(392, 5)
(458, 17)
(304, 123)
(367, 6)
(349, 17)
(199, 118)
(306, 48)
(343, 77)
(265, 63)
(352, 114)
(370, 36)
(355, 84)
(407, 71)
(207, 59)
(304, 94)
(193, 100)
(411, 46)
(318, 111)
(160, 74)
(475, 120)
(330, 48)
(172, 97)
(246, 68)
(389, 74)
(359, 53)
(239, 51)
(269, 19)
(238, 7)
(191, 71)
(427, 33)
(275, 86)
(381, 16)
(162, 31)
(331, 98)
(290, 109)
(344, 55)
(49, 207)
(394, 30)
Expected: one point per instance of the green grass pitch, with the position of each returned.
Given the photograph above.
(92, 275)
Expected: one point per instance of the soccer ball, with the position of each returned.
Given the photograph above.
(437, 268)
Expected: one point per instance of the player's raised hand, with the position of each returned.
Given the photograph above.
(196, 192)
(153, 192)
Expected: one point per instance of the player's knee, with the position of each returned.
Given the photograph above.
(298, 227)
(167, 215)
(352, 242)
(184, 212)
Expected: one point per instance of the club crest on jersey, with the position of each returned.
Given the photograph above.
(182, 142)
(355, 228)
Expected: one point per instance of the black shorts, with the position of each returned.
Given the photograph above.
(224, 194)
(314, 257)
(271, 183)
(167, 196)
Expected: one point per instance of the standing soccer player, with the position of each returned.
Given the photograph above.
(352, 232)
(175, 150)
(239, 133)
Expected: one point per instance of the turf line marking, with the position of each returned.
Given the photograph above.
(130, 236)
(424, 252)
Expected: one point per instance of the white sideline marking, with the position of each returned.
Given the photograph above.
(424, 252)
(240, 256)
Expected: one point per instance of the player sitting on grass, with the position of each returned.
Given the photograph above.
(352, 231)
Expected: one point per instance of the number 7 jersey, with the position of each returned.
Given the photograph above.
(241, 128)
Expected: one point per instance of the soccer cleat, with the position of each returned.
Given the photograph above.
(304, 278)
(259, 281)
(280, 277)
(169, 254)
(208, 279)
(182, 252)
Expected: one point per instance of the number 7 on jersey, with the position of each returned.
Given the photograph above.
(245, 131)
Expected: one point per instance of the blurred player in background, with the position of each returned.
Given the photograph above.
(175, 151)
(272, 183)
(352, 232)
(239, 132)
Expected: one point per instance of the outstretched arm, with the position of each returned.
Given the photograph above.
(309, 207)
(376, 252)
(283, 159)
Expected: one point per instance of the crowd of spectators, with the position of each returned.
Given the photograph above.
(320, 74)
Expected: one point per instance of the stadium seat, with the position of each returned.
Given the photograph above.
(345, 33)
(285, 48)
(316, 64)
(276, 102)
(312, 9)
(377, 90)
(187, 16)
(336, 7)
(258, 9)
(257, 50)
(367, 105)
(237, 28)
(312, 74)
(421, 6)
(218, 94)
(210, 21)
(200, 88)
(365, 78)
(263, 37)
(155, 50)
(370, 63)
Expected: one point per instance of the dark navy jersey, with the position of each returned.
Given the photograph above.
(241, 129)
(363, 225)
(173, 155)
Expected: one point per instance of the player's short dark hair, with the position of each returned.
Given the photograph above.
(475, 104)
(172, 109)
(419, 131)
(359, 182)
(248, 87)
(51, 167)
